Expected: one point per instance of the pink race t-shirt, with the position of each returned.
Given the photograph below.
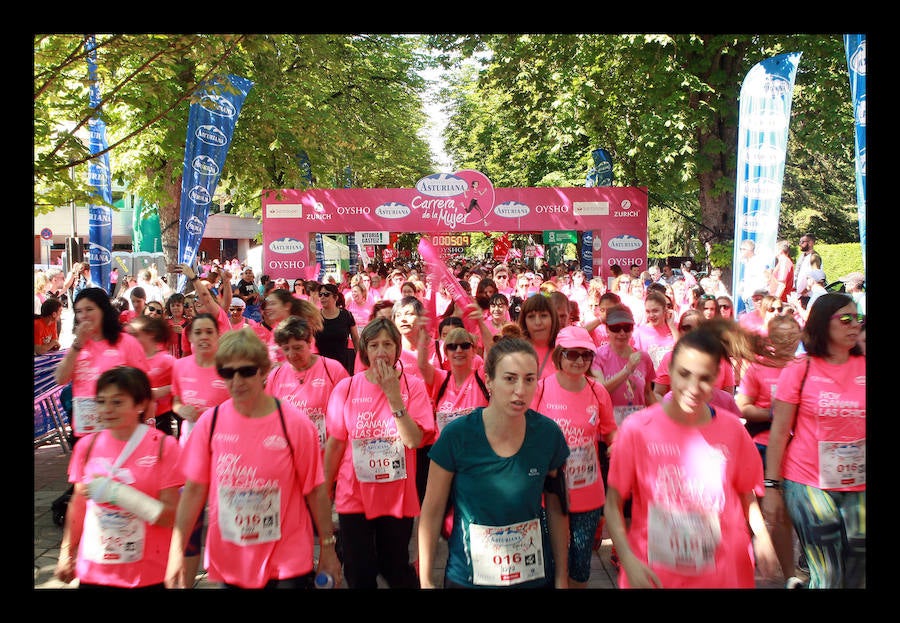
(309, 390)
(759, 383)
(95, 358)
(197, 386)
(828, 449)
(377, 473)
(655, 341)
(457, 400)
(585, 418)
(629, 395)
(135, 552)
(260, 527)
(160, 373)
(546, 367)
(686, 484)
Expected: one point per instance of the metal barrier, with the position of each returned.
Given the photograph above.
(51, 421)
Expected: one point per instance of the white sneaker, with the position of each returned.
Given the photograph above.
(794, 582)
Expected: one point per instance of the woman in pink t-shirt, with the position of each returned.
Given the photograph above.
(309, 379)
(540, 324)
(690, 471)
(99, 343)
(755, 397)
(255, 461)
(375, 420)
(584, 412)
(126, 480)
(154, 334)
(278, 305)
(819, 478)
(658, 334)
(690, 320)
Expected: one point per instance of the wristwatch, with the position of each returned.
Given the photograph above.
(399, 413)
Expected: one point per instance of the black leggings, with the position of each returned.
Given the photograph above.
(300, 582)
(373, 546)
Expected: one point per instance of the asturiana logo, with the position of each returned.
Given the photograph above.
(194, 226)
(512, 209)
(200, 195)
(286, 246)
(217, 105)
(442, 185)
(211, 135)
(204, 165)
(99, 215)
(506, 537)
(393, 210)
(99, 255)
(625, 242)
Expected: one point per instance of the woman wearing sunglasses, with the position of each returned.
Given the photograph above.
(255, 460)
(583, 409)
(339, 337)
(375, 420)
(819, 478)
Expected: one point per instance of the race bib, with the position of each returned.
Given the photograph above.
(87, 420)
(112, 535)
(379, 460)
(842, 464)
(582, 466)
(506, 555)
(683, 541)
(249, 516)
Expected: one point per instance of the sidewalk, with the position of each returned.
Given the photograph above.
(50, 464)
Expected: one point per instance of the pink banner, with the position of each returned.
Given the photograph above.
(461, 202)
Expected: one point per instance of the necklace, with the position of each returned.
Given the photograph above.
(306, 373)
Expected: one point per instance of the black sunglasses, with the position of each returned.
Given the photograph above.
(462, 345)
(155, 310)
(324, 295)
(575, 355)
(619, 328)
(245, 372)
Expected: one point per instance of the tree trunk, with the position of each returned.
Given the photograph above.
(169, 222)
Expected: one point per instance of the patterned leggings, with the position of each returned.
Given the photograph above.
(582, 527)
(831, 526)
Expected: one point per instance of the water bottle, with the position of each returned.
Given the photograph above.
(324, 580)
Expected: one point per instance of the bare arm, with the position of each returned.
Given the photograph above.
(559, 535)
(437, 492)
(189, 507)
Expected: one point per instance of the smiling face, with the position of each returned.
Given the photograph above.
(692, 378)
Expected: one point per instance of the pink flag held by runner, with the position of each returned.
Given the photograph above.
(443, 277)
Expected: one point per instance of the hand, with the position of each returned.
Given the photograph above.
(65, 566)
(187, 271)
(100, 489)
(633, 360)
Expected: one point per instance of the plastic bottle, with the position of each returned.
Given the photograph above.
(324, 580)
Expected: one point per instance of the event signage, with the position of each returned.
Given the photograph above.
(764, 117)
(99, 216)
(856, 66)
(213, 115)
(461, 202)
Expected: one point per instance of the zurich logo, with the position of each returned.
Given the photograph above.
(286, 246)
